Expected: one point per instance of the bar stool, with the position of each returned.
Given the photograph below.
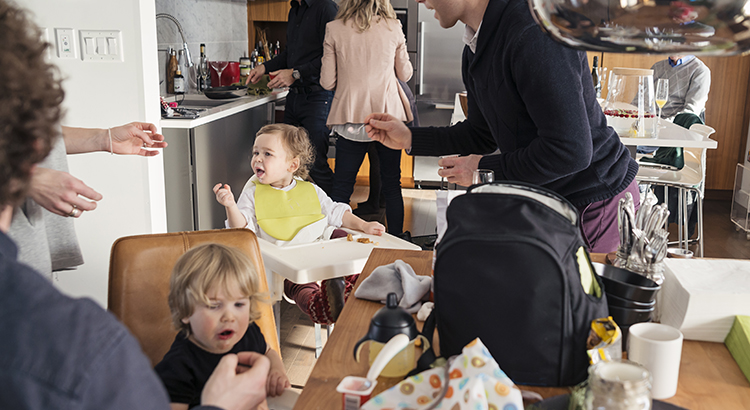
(691, 178)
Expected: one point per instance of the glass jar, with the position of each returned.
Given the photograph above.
(618, 385)
(630, 108)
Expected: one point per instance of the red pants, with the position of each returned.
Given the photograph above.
(312, 298)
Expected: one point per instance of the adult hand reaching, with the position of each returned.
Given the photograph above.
(282, 78)
(61, 193)
(128, 139)
(388, 130)
(235, 388)
(255, 74)
(134, 138)
(459, 170)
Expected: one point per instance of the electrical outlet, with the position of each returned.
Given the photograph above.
(65, 44)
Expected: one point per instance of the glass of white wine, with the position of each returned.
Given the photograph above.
(662, 93)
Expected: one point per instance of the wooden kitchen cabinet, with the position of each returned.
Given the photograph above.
(727, 110)
(268, 10)
(269, 15)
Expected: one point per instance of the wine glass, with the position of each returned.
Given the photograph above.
(482, 176)
(219, 66)
(662, 93)
(203, 72)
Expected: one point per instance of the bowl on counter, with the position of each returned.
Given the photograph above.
(626, 316)
(614, 300)
(626, 284)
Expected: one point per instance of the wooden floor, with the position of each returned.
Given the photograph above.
(297, 335)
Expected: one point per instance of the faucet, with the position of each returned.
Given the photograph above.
(186, 51)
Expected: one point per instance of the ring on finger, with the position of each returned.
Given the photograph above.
(74, 212)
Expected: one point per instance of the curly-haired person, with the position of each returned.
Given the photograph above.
(56, 351)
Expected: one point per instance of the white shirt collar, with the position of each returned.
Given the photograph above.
(471, 36)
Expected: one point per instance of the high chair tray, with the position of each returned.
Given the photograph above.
(317, 261)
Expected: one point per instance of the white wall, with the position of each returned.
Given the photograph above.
(104, 94)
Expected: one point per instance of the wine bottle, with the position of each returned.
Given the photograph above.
(595, 77)
(203, 72)
(179, 82)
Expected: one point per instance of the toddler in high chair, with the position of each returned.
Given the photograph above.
(281, 207)
(213, 292)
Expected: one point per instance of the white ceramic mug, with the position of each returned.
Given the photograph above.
(658, 348)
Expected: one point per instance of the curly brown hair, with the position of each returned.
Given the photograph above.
(296, 142)
(30, 98)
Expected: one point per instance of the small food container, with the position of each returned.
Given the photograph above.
(355, 391)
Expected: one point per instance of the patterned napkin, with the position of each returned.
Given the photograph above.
(471, 380)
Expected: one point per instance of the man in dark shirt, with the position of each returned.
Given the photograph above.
(298, 67)
(541, 113)
(57, 352)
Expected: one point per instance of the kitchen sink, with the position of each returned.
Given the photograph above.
(199, 101)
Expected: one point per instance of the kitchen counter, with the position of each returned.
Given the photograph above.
(216, 109)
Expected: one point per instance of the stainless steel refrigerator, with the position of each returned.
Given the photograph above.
(438, 79)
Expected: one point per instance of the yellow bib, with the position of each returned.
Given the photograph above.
(282, 214)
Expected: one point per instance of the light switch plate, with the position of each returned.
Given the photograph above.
(65, 42)
(101, 45)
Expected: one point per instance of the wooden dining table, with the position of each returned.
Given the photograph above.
(709, 376)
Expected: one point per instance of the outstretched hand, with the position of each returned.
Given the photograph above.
(61, 193)
(134, 138)
(388, 130)
(233, 387)
(224, 194)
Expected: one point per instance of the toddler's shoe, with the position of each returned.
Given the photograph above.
(334, 291)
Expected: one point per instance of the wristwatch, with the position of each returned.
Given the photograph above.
(296, 75)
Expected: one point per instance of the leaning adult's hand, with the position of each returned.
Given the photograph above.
(134, 138)
(388, 130)
(230, 390)
(283, 78)
(459, 170)
(61, 193)
(255, 74)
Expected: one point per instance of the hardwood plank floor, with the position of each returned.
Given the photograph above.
(297, 335)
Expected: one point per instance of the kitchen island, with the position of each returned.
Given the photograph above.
(214, 148)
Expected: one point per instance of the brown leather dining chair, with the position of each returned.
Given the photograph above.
(139, 271)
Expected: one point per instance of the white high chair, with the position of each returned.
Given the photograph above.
(691, 178)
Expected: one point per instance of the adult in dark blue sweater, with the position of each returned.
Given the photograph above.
(533, 99)
(57, 352)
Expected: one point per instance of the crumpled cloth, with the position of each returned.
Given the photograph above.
(470, 381)
(398, 278)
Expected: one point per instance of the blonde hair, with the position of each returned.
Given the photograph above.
(201, 269)
(361, 12)
(296, 142)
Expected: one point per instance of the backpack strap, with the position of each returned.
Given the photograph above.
(428, 356)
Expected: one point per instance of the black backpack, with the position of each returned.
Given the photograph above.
(507, 271)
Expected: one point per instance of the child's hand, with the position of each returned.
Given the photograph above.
(277, 382)
(373, 228)
(224, 195)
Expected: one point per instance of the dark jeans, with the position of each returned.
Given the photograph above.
(311, 111)
(349, 157)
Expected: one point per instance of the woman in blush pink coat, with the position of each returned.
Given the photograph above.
(364, 55)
